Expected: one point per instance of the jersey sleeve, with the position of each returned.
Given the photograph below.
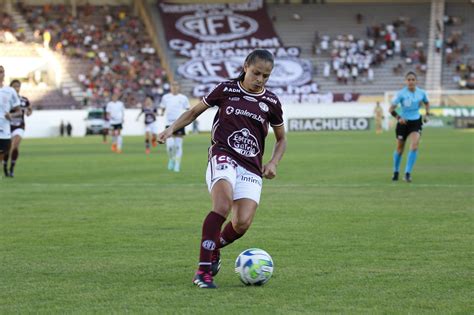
(397, 99)
(214, 97)
(186, 103)
(425, 98)
(162, 102)
(276, 115)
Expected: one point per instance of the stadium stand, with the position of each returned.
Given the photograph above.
(106, 48)
(458, 70)
(313, 22)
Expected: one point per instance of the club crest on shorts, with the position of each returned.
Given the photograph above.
(221, 167)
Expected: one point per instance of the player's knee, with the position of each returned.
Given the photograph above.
(223, 206)
(241, 226)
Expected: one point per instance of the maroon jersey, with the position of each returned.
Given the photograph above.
(241, 123)
(19, 122)
(150, 115)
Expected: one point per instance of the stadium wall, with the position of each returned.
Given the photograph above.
(44, 124)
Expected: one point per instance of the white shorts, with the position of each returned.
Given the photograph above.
(244, 184)
(152, 128)
(18, 132)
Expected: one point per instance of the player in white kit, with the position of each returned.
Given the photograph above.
(174, 104)
(9, 105)
(115, 114)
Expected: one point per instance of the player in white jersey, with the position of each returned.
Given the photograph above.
(9, 105)
(174, 104)
(115, 113)
(17, 128)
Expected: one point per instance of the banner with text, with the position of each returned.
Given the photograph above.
(217, 37)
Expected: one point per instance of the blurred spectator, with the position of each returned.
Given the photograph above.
(69, 129)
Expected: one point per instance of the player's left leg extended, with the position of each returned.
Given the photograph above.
(412, 154)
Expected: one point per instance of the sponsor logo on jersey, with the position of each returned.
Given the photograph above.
(250, 98)
(229, 110)
(228, 89)
(234, 99)
(244, 143)
(263, 106)
(209, 245)
(270, 99)
(246, 113)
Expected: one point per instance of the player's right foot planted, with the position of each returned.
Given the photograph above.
(147, 151)
(408, 177)
(170, 165)
(215, 262)
(114, 147)
(204, 280)
(395, 176)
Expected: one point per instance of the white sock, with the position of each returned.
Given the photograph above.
(119, 142)
(178, 144)
(170, 148)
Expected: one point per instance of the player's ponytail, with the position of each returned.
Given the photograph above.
(260, 54)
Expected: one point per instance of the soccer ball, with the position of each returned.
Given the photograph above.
(254, 266)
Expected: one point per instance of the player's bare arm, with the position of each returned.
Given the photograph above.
(16, 112)
(185, 119)
(269, 169)
(139, 114)
(428, 113)
(392, 112)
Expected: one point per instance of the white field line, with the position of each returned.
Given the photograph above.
(315, 185)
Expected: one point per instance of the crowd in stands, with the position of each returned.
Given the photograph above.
(355, 58)
(456, 53)
(112, 42)
(9, 32)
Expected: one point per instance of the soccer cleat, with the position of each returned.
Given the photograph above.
(407, 177)
(114, 147)
(204, 280)
(215, 262)
(176, 167)
(170, 165)
(147, 151)
(11, 174)
(395, 176)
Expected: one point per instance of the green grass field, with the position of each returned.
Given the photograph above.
(83, 230)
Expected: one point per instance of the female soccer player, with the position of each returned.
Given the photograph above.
(151, 129)
(9, 106)
(173, 104)
(409, 123)
(235, 170)
(17, 126)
